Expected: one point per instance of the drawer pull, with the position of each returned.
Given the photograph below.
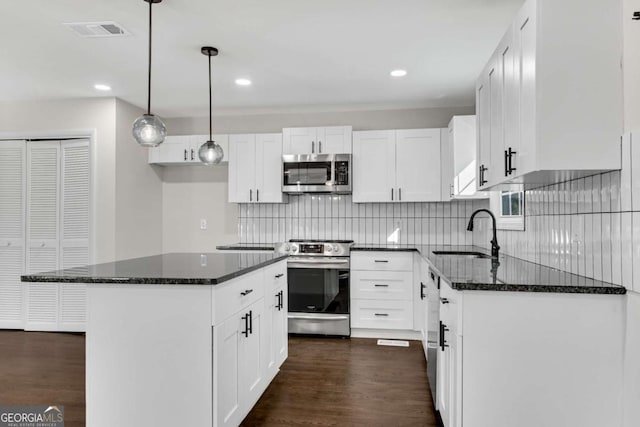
(246, 292)
(444, 300)
(279, 275)
(382, 314)
(381, 285)
(381, 260)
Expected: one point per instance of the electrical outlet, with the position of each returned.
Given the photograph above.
(203, 224)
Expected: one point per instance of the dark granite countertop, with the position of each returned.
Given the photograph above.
(247, 247)
(512, 274)
(167, 269)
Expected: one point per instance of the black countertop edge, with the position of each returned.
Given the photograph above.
(365, 248)
(43, 278)
(246, 247)
(560, 289)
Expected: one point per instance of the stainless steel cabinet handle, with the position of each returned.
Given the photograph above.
(382, 314)
(319, 146)
(293, 316)
(250, 195)
(313, 147)
(185, 154)
(381, 286)
(246, 292)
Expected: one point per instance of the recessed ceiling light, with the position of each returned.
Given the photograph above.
(398, 73)
(101, 87)
(243, 82)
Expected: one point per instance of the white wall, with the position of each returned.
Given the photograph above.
(194, 193)
(31, 118)
(631, 66)
(138, 191)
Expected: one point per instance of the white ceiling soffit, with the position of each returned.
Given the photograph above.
(307, 55)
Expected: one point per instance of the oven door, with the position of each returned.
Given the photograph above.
(319, 296)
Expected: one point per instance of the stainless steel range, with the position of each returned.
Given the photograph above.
(318, 286)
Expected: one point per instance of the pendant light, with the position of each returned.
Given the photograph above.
(210, 153)
(148, 130)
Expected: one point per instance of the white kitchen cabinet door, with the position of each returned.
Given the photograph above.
(447, 178)
(374, 171)
(268, 163)
(43, 189)
(334, 140)
(227, 348)
(275, 327)
(495, 81)
(525, 66)
(252, 356)
(511, 96)
(12, 217)
(174, 149)
(418, 165)
(242, 168)
(483, 120)
(299, 141)
(74, 204)
(462, 137)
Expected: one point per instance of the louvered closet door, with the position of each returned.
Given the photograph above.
(43, 183)
(74, 231)
(12, 213)
(43, 172)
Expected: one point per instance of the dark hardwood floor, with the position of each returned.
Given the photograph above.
(40, 368)
(324, 382)
(347, 382)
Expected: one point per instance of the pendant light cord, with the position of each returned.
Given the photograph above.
(149, 75)
(210, 105)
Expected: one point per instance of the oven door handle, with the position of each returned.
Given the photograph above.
(318, 265)
(293, 316)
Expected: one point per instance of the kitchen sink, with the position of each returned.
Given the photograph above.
(465, 254)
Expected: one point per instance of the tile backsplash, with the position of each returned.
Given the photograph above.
(321, 216)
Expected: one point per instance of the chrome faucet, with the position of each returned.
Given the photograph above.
(495, 249)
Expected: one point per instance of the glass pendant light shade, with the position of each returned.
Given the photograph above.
(149, 130)
(210, 153)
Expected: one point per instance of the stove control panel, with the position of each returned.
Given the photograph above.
(314, 249)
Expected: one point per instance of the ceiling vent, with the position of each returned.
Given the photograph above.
(97, 29)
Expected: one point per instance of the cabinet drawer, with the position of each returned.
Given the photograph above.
(234, 295)
(390, 285)
(381, 314)
(383, 260)
(275, 276)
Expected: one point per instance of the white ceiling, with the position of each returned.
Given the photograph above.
(300, 54)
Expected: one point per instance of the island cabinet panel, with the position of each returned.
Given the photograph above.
(148, 355)
(230, 297)
(275, 325)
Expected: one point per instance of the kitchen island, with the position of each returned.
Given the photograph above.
(180, 339)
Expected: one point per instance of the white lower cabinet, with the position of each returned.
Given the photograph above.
(529, 359)
(249, 346)
(382, 291)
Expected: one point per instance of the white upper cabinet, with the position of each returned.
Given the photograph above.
(374, 166)
(255, 168)
(318, 140)
(183, 150)
(396, 166)
(418, 165)
(549, 101)
(460, 157)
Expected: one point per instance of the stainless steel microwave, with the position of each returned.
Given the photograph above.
(316, 173)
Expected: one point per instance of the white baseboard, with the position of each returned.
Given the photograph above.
(386, 333)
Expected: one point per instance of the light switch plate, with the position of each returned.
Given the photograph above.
(203, 224)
